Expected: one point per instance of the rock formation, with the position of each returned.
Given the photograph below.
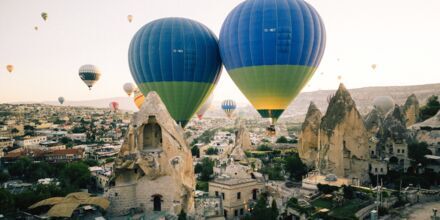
(309, 138)
(392, 130)
(373, 122)
(243, 138)
(343, 146)
(411, 109)
(154, 169)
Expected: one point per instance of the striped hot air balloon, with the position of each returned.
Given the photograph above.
(90, 74)
(179, 59)
(204, 107)
(114, 106)
(61, 100)
(271, 49)
(229, 107)
(139, 98)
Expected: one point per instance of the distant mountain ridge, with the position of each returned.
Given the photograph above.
(298, 108)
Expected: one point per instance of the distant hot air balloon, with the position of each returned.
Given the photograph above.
(139, 98)
(10, 68)
(130, 18)
(373, 66)
(36, 28)
(129, 88)
(90, 74)
(204, 107)
(179, 59)
(229, 107)
(271, 49)
(114, 106)
(44, 16)
(383, 103)
(61, 100)
(339, 77)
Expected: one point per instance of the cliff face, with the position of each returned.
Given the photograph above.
(343, 139)
(309, 139)
(411, 109)
(373, 122)
(154, 164)
(394, 128)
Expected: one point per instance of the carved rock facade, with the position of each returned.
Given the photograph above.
(309, 139)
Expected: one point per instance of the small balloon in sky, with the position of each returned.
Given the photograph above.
(205, 107)
(373, 66)
(339, 77)
(89, 74)
(229, 107)
(129, 88)
(61, 100)
(36, 28)
(10, 68)
(44, 16)
(130, 18)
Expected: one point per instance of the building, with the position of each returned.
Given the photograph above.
(6, 142)
(238, 195)
(78, 137)
(66, 155)
(312, 179)
(378, 167)
(31, 141)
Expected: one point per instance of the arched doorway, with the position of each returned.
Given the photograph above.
(152, 135)
(157, 202)
(254, 194)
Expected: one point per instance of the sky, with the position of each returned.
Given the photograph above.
(400, 36)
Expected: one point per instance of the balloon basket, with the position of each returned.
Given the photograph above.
(271, 131)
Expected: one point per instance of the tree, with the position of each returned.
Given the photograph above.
(282, 140)
(264, 147)
(75, 175)
(326, 189)
(262, 212)
(20, 167)
(417, 152)
(195, 151)
(348, 192)
(92, 162)
(4, 177)
(274, 209)
(14, 131)
(198, 168)
(212, 151)
(207, 169)
(182, 215)
(430, 109)
(7, 202)
(295, 167)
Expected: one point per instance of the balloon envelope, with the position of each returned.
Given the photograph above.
(373, 66)
(130, 18)
(229, 107)
(44, 16)
(139, 98)
(383, 103)
(90, 74)
(114, 106)
(61, 100)
(179, 59)
(10, 68)
(204, 107)
(271, 49)
(128, 88)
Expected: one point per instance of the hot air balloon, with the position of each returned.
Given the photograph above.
(44, 16)
(229, 107)
(139, 98)
(128, 88)
(204, 107)
(271, 49)
(383, 103)
(179, 59)
(90, 74)
(130, 18)
(36, 28)
(339, 77)
(114, 106)
(373, 66)
(61, 100)
(10, 68)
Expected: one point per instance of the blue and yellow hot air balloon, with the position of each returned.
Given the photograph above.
(229, 107)
(179, 59)
(271, 49)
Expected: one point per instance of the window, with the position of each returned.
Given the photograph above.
(381, 169)
(398, 151)
(223, 196)
(225, 213)
(375, 169)
(254, 194)
(236, 212)
(403, 151)
(216, 193)
(241, 211)
(239, 195)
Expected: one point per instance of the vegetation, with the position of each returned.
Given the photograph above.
(212, 151)
(295, 167)
(207, 169)
(417, 152)
(205, 137)
(202, 185)
(430, 109)
(262, 211)
(195, 151)
(283, 140)
(264, 147)
(327, 189)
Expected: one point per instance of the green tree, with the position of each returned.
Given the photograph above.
(295, 167)
(182, 215)
(212, 151)
(198, 168)
(262, 212)
(7, 202)
(4, 176)
(75, 175)
(91, 162)
(20, 167)
(274, 209)
(348, 192)
(264, 147)
(430, 109)
(207, 169)
(282, 140)
(417, 152)
(195, 151)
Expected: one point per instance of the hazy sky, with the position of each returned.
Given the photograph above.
(401, 36)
